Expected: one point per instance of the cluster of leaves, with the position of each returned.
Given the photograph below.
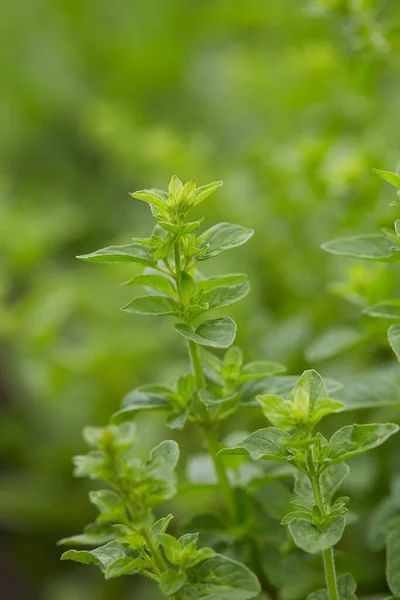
(132, 541)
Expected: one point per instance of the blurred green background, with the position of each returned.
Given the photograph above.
(291, 103)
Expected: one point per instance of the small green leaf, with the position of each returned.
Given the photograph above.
(130, 253)
(142, 398)
(220, 578)
(369, 247)
(161, 283)
(202, 192)
(110, 505)
(94, 534)
(151, 197)
(393, 557)
(181, 229)
(259, 370)
(389, 309)
(102, 557)
(219, 280)
(171, 581)
(353, 440)
(225, 295)
(394, 339)
(172, 548)
(392, 178)
(265, 444)
(217, 333)
(152, 305)
(310, 539)
(332, 343)
(222, 237)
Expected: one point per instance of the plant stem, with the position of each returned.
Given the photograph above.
(328, 555)
(210, 433)
(155, 552)
(196, 365)
(227, 491)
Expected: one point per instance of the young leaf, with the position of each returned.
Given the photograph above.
(152, 305)
(151, 197)
(102, 557)
(142, 399)
(394, 339)
(310, 539)
(171, 581)
(217, 333)
(260, 369)
(393, 557)
(389, 309)
(392, 178)
(129, 253)
(161, 283)
(369, 247)
(225, 295)
(220, 238)
(201, 193)
(220, 578)
(353, 440)
(220, 280)
(265, 444)
(95, 534)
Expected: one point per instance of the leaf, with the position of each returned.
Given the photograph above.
(346, 589)
(94, 535)
(220, 280)
(152, 305)
(353, 440)
(181, 229)
(225, 295)
(389, 309)
(110, 505)
(259, 370)
(142, 399)
(265, 444)
(220, 578)
(394, 339)
(171, 581)
(220, 238)
(332, 343)
(161, 283)
(281, 385)
(102, 557)
(202, 192)
(371, 389)
(216, 333)
(369, 247)
(310, 539)
(129, 253)
(151, 197)
(393, 557)
(392, 178)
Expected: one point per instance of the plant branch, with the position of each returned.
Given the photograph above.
(155, 552)
(328, 555)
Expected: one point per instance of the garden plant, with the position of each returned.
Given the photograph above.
(243, 550)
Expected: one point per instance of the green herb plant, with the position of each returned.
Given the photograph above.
(384, 247)
(131, 539)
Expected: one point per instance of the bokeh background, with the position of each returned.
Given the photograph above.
(291, 103)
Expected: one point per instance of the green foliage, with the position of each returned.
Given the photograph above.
(393, 557)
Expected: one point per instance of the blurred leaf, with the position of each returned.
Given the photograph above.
(217, 333)
(369, 247)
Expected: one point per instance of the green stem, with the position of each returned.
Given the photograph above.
(210, 435)
(155, 552)
(227, 492)
(328, 555)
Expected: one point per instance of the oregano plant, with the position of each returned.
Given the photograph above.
(247, 550)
